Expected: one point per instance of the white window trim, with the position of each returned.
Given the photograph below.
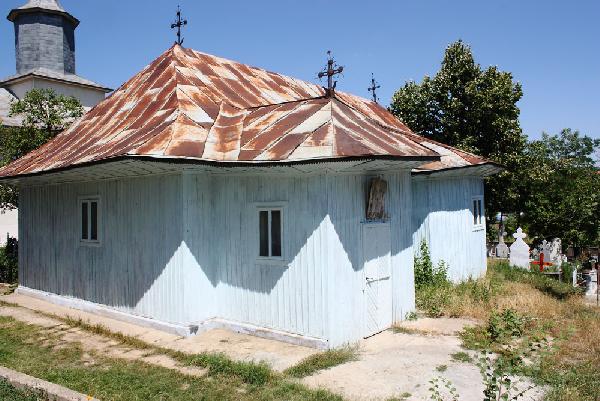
(261, 207)
(477, 226)
(89, 242)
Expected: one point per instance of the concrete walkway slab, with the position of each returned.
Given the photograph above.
(442, 325)
(237, 346)
(52, 391)
(397, 365)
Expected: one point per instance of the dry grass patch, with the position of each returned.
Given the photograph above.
(524, 311)
(322, 360)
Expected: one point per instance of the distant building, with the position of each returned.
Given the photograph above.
(45, 58)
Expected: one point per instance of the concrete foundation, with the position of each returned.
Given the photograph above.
(180, 330)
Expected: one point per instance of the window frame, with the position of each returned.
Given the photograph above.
(89, 199)
(478, 221)
(270, 207)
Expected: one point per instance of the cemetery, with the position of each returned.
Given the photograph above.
(548, 258)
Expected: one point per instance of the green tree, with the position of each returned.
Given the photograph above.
(44, 113)
(46, 110)
(558, 187)
(471, 108)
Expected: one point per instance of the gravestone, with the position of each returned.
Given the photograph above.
(591, 282)
(545, 249)
(519, 251)
(556, 256)
(501, 248)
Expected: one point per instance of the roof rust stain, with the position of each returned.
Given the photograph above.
(187, 104)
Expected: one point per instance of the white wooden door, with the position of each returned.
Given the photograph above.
(377, 276)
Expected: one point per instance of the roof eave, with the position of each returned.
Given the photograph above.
(481, 170)
(405, 162)
(18, 11)
(40, 76)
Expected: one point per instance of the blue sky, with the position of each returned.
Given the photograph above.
(551, 47)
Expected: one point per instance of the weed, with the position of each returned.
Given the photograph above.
(219, 364)
(426, 274)
(507, 323)
(462, 356)
(99, 329)
(411, 316)
(408, 330)
(402, 397)
(442, 368)
(442, 389)
(322, 360)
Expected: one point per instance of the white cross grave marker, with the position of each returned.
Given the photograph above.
(519, 251)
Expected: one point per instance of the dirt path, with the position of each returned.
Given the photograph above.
(59, 334)
(236, 346)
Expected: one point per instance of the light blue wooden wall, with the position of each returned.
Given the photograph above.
(222, 234)
(182, 249)
(347, 205)
(442, 216)
(136, 269)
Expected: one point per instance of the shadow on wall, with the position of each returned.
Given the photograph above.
(443, 218)
(150, 246)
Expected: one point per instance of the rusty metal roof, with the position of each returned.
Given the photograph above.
(194, 106)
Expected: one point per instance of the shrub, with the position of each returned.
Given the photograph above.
(9, 261)
(426, 274)
(433, 290)
(505, 324)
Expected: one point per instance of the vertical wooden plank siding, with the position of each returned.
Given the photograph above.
(183, 249)
(135, 269)
(347, 196)
(443, 217)
(222, 236)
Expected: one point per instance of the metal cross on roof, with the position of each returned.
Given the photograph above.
(178, 24)
(374, 86)
(330, 70)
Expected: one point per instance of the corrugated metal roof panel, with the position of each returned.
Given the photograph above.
(191, 105)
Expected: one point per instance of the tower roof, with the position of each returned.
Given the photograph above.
(49, 6)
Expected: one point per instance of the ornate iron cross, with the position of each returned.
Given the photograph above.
(330, 70)
(374, 86)
(179, 23)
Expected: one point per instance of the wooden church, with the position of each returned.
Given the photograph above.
(207, 193)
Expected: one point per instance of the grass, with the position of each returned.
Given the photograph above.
(216, 363)
(409, 330)
(9, 393)
(322, 360)
(522, 310)
(462, 356)
(31, 350)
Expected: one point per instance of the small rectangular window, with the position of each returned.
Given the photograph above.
(84, 221)
(90, 210)
(270, 233)
(276, 233)
(477, 211)
(264, 233)
(94, 221)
